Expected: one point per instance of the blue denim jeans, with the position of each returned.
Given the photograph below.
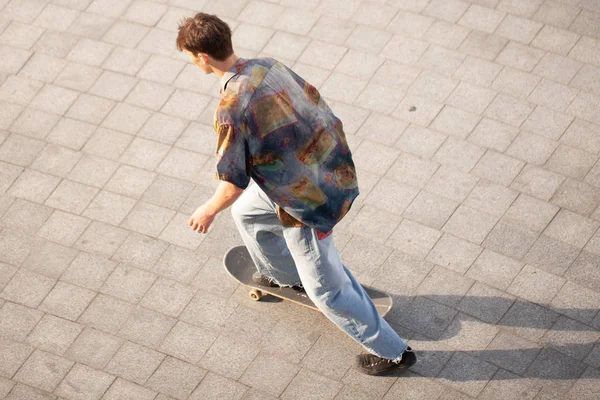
(294, 255)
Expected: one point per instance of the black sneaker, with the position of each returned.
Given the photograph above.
(373, 365)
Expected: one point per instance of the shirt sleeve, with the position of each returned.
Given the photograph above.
(233, 158)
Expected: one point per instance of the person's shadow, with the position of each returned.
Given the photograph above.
(471, 338)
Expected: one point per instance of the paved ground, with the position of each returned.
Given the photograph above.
(479, 208)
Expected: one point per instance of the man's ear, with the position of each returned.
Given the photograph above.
(203, 57)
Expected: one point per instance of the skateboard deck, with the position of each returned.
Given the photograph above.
(240, 266)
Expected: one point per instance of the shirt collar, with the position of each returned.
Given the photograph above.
(233, 71)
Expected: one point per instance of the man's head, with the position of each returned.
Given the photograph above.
(205, 38)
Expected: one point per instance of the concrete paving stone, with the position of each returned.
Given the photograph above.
(515, 83)
(519, 29)
(431, 323)
(13, 355)
(381, 128)
(13, 59)
(71, 133)
(365, 70)
(213, 278)
(54, 334)
(216, 386)
(63, 228)
(551, 255)
(586, 23)
(411, 170)
(424, 110)
(373, 223)
(147, 327)
(19, 90)
(179, 264)
(109, 207)
(470, 224)
(329, 357)
(252, 37)
(416, 386)
(67, 301)
(168, 297)
(179, 233)
(20, 150)
(290, 341)
(528, 320)
(379, 98)
(5, 386)
(229, 347)
(373, 157)
(508, 386)
(532, 148)
(592, 358)
(71, 197)
(587, 79)
(593, 245)
(371, 40)
(163, 128)
(403, 49)
(93, 171)
(142, 213)
(42, 67)
(494, 269)
(511, 240)
(95, 383)
(144, 12)
(106, 313)
(432, 59)
(443, 33)
(583, 106)
(469, 334)
(593, 177)
(125, 34)
(537, 182)
(362, 255)
(571, 337)
(257, 371)
(35, 122)
(33, 186)
(482, 18)
(584, 271)
(571, 228)
(352, 116)
(135, 363)
(577, 196)
(27, 288)
(94, 348)
(44, 370)
(114, 86)
(126, 61)
(328, 55)
(125, 390)
(448, 11)
(563, 162)
(81, 77)
(511, 352)
(478, 71)
(558, 68)
(455, 153)
(455, 122)
(486, 303)
(331, 7)
(517, 8)
(89, 271)
(188, 342)
(90, 52)
(130, 181)
(91, 25)
(90, 109)
(509, 110)
(253, 324)
(372, 14)
(160, 42)
(176, 378)
(361, 383)
(141, 153)
(17, 321)
(520, 56)
(557, 14)
(331, 30)
(451, 183)
(472, 98)
(50, 259)
(536, 285)
(561, 95)
(7, 272)
(183, 164)
(168, 192)
(556, 40)
(128, 283)
(444, 286)
(23, 392)
(10, 112)
(483, 45)
(262, 14)
(25, 12)
(413, 238)
(410, 24)
(161, 69)
(391, 196)
(20, 35)
(467, 374)
(21, 210)
(454, 253)
(185, 104)
(586, 387)
(285, 46)
(556, 372)
(491, 198)
(430, 210)
(149, 95)
(111, 8)
(56, 18)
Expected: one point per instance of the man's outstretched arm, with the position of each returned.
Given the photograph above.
(225, 195)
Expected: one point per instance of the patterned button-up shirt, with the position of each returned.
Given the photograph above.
(275, 128)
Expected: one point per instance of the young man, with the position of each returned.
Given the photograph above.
(275, 129)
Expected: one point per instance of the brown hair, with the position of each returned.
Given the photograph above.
(205, 33)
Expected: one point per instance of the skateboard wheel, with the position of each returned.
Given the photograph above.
(255, 295)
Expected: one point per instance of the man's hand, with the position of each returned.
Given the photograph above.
(201, 219)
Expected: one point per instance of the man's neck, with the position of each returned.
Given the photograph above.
(223, 66)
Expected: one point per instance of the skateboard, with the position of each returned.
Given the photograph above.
(240, 266)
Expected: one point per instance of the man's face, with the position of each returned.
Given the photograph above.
(200, 61)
